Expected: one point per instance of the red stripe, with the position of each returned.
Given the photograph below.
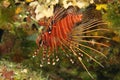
(60, 31)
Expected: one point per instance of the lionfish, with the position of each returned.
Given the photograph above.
(67, 30)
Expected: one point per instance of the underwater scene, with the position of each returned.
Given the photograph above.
(59, 39)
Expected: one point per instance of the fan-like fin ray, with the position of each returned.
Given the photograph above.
(80, 59)
(97, 43)
(91, 24)
(89, 31)
(77, 35)
(89, 48)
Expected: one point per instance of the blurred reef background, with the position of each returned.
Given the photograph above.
(18, 32)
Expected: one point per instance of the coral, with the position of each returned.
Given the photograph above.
(13, 71)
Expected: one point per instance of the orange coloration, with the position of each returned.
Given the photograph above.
(65, 30)
(60, 31)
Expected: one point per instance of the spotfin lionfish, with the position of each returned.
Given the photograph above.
(67, 30)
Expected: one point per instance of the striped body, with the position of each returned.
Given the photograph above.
(64, 30)
(60, 31)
